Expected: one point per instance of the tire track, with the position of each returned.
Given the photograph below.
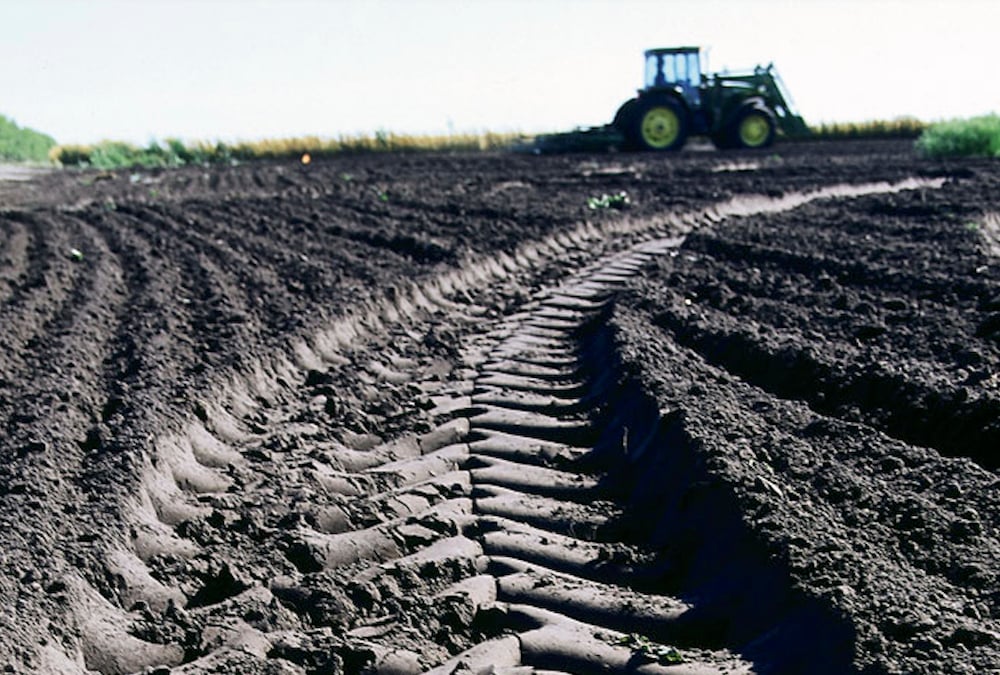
(113, 577)
(575, 593)
(991, 233)
(496, 535)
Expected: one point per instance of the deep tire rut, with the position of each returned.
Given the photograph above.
(557, 568)
(501, 535)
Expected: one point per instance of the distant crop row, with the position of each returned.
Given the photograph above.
(903, 127)
(19, 144)
(979, 136)
(172, 152)
(112, 154)
(970, 137)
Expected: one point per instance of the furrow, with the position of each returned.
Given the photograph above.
(43, 291)
(14, 243)
(553, 538)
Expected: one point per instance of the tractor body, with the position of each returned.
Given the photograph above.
(679, 100)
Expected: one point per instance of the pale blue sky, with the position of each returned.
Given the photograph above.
(244, 69)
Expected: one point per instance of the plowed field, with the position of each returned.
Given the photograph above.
(455, 414)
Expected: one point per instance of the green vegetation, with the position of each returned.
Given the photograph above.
(973, 137)
(651, 651)
(111, 154)
(18, 144)
(619, 201)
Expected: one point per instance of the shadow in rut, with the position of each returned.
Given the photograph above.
(742, 594)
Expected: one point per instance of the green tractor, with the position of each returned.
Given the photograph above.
(735, 110)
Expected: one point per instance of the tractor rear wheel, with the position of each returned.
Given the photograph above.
(658, 124)
(753, 128)
(625, 115)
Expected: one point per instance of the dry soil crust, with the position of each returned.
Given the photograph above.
(813, 368)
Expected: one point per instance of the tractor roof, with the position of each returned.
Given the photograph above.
(673, 50)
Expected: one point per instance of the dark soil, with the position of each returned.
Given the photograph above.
(834, 371)
(831, 373)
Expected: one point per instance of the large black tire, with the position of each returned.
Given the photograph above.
(623, 118)
(753, 127)
(657, 123)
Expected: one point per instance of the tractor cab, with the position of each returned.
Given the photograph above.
(677, 68)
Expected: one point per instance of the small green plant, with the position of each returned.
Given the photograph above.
(617, 201)
(651, 651)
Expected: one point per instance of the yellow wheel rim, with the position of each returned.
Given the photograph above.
(660, 127)
(754, 130)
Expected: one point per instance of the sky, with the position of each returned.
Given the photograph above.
(138, 70)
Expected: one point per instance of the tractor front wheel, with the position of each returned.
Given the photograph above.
(658, 124)
(753, 128)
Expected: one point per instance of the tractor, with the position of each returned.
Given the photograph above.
(735, 110)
